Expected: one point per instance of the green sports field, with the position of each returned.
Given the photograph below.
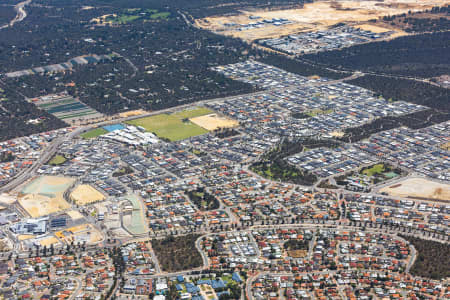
(93, 133)
(192, 113)
(57, 160)
(171, 126)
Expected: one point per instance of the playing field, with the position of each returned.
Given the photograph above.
(173, 127)
(376, 169)
(419, 188)
(85, 194)
(213, 122)
(192, 113)
(93, 133)
(57, 160)
(44, 195)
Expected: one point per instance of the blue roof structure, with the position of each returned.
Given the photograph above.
(114, 127)
(191, 288)
(236, 277)
(218, 284)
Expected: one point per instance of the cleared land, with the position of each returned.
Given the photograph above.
(419, 188)
(135, 222)
(132, 113)
(85, 194)
(312, 17)
(48, 241)
(93, 133)
(74, 215)
(173, 127)
(80, 233)
(213, 121)
(44, 195)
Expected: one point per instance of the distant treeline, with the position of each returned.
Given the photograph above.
(300, 68)
(419, 22)
(407, 90)
(7, 13)
(414, 120)
(197, 9)
(424, 55)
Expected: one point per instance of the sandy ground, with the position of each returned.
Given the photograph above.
(132, 113)
(74, 215)
(24, 237)
(420, 188)
(314, 16)
(373, 28)
(446, 146)
(48, 241)
(80, 233)
(337, 133)
(7, 199)
(44, 195)
(102, 19)
(38, 205)
(213, 121)
(86, 194)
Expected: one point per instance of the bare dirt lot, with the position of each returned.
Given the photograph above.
(85, 194)
(419, 188)
(44, 195)
(312, 17)
(80, 233)
(213, 121)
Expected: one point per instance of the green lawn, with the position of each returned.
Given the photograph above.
(93, 133)
(57, 160)
(376, 169)
(160, 15)
(192, 113)
(169, 126)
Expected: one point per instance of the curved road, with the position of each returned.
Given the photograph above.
(21, 14)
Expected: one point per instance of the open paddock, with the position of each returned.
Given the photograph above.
(85, 194)
(419, 188)
(213, 121)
